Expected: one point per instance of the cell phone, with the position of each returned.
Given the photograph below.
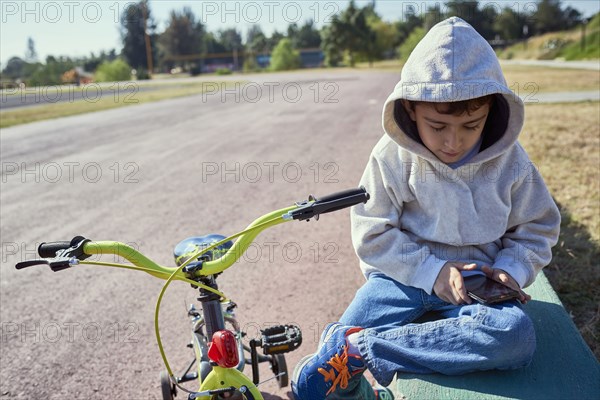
(487, 291)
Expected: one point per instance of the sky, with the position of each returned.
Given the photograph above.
(77, 28)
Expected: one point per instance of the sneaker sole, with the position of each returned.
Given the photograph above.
(303, 361)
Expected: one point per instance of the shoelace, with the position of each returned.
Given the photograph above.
(338, 364)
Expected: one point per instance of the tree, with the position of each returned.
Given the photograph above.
(410, 43)
(548, 17)
(274, 39)
(15, 69)
(256, 41)
(211, 44)
(385, 36)
(332, 42)
(92, 62)
(307, 36)
(433, 16)
(50, 73)
(351, 34)
(572, 17)
(231, 42)
(133, 34)
(404, 28)
(183, 35)
(509, 24)
(482, 20)
(31, 54)
(230, 39)
(284, 56)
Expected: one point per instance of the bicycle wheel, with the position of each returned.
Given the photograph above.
(279, 366)
(167, 387)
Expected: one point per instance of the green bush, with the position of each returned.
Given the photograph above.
(284, 56)
(223, 71)
(117, 70)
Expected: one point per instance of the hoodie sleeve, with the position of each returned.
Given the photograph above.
(533, 228)
(377, 236)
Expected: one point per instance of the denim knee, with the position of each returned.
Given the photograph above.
(517, 344)
(526, 340)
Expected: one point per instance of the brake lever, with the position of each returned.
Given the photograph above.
(60, 263)
(31, 263)
(55, 264)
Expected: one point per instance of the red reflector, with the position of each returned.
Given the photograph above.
(223, 349)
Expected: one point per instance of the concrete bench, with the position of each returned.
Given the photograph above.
(563, 367)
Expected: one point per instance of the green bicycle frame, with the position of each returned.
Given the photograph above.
(219, 377)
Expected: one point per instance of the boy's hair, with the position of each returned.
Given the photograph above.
(495, 125)
(457, 107)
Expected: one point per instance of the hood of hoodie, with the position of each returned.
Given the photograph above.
(454, 63)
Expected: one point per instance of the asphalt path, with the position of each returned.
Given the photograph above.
(151, 175)
(268, 85)
(593, 65)
(27, 97)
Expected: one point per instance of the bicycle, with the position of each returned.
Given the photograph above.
(220, 353)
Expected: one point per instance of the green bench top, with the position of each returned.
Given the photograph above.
(563, 367)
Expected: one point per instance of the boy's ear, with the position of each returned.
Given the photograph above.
(409, 109)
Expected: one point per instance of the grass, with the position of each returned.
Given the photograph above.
(563, 140)
(548, 80)
(562, 44)
(518, 77)
(107, 100)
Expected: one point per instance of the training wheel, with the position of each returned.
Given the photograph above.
(167, 387)
(279, 366)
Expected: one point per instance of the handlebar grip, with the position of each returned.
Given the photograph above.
(360, 195)
(330, 203)
(48, 250)
(340, 200)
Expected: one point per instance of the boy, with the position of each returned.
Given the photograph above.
(452, 194)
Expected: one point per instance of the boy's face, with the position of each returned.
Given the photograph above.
(449, 137)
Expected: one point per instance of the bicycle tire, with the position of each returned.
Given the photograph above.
(278, 366)
(166, 386)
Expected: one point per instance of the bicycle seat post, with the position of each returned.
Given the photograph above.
(211, 307)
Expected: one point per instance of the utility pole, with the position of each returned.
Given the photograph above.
(147, 38)
(583, 26)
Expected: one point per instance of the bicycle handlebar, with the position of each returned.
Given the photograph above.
(49, 250)
(66, 253)
(330, 203)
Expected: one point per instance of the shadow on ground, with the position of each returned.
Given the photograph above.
(575, 276)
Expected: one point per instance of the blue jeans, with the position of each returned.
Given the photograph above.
(462, 339)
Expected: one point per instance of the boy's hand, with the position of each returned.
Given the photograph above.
(504, 278)
(449, 285)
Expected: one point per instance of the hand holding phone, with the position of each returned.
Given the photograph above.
(500, 275)
(487, 291)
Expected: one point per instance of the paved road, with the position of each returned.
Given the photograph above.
(152, 175)
(29, 97)
(17, 97)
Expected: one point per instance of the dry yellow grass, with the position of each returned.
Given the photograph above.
(63, 109)
(549, 79)
(563, 140)
(536, 47)
(523, 79)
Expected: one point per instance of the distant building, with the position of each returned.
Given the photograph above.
(77, 76)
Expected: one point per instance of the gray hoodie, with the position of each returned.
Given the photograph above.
(494, 210)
